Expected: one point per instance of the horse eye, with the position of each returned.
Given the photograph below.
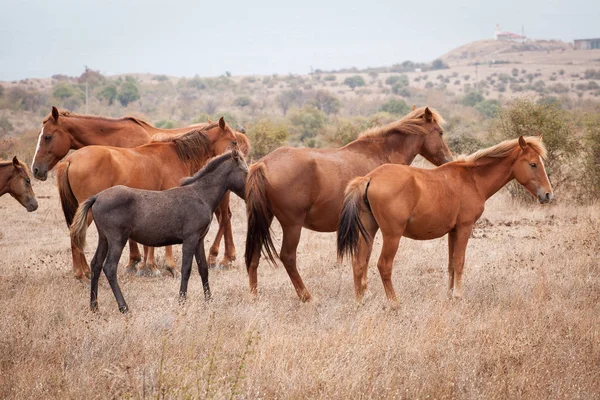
(533, 165)
(234, 143)
(48, 137)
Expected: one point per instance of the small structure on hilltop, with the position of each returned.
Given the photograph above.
(587, 44)
(507, 36)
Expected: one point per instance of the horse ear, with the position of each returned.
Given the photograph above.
(241, 129)
(55, 113)
(209, 120)
(522, 142)
(541, 136)
(414, 107)
(428, 115)
(16, 163)
(222, 124)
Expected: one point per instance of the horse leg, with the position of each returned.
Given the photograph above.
(451, 244)
(151, 263)
(291, 238)
(97, 262)
(360, 261)
(213, 252)
(134, 257)
(169, 260)
(203, 268)
(187, 255)
(230, 254)
(385, 264)
(253, 267)
(456, 260)
(115, 248)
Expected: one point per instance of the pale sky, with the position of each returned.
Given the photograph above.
(39, 38)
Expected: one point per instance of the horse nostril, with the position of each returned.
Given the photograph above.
(35, 170)
(547, 196)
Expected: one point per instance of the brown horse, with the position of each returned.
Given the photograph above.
(14, 180)
(305, 187)
(63, 131)
(155, 166)
(426, 204)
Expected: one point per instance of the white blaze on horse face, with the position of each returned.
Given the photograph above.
(37, 148)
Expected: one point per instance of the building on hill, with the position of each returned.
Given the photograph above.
(507, 36)
(587, 44)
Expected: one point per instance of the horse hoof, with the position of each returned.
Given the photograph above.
(94, 307)
(144, 272)
(156, 273)
(170, 270)
(226, 264)
(212, 265)
(124, 309)
(131, 270)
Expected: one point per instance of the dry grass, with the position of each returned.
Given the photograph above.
(528, 327)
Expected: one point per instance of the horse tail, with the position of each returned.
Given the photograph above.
(350, 225)
(259, 215)
(80, 223)
(67, 199)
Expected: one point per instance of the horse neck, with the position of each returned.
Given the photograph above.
(395, 148)
(6, 173)
(212, 187)
(98, 131)
(492, 174)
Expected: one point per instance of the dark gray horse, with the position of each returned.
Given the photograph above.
(179, 215)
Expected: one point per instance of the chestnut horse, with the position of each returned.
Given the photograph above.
(15, 180)
(305, 187)
(426, 204)
(154, 166)
(63, 131)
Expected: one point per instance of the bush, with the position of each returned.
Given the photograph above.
(64, 91)
(471, 99)
(488, 108)
(329, 78)
(525, 117)
(160, 78)
(1, 90)
(439, 64)
(128, 93)
(591, 74)
(325, 101)
(591, 183)
(464, 144)
(307, 123)
(396, 107)
(354, 81)
(288, 98)
(266, 136)
(390, 80)
(401, 90)
(343, 132)
(108, 93)
(5, 126)
(242, 101)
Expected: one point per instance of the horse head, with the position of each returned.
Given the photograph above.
(530, 172)
(20, 186)
(434, 148)
(53, 145)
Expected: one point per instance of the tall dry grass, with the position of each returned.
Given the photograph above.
(528, 326)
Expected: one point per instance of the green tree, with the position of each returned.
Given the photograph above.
(287, 98)
(488, 108)
(325, 101)
(266, 136)
(108, 93)
(396, 107)
(354, 81)
(128, 93)
(439, 64)
(166, 124)
(64, 90)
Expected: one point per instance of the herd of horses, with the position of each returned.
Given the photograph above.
(161, 187)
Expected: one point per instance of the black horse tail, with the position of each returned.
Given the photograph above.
(350, 226)
(67, 199)
(258, 235)
(80, 223)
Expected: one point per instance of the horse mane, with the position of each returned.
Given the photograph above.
(504, 148)
(210, 166)
(243, 143)
(6, 163)
(410, 124)
(172, 137)
(67, 114)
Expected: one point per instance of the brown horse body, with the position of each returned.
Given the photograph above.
(155, 166)
(14, 180)
(426, 204)
(305, 187)
(63, 131)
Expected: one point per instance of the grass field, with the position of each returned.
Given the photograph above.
(528, 326)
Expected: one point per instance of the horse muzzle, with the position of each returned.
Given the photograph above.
(545, 197)
(40, 173)
(31, 205)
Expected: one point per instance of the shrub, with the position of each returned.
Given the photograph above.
(1, 90)
(428, 85)
(401, 90)
(242, 101)
(439, 64)
(329, 78)
(65, 90)
(472, 98)
(390, 80)
(591, 74)
(307, 123)
(5, 126)
(288, 98)
(108, 93)
(488, 108)
(396, 107)
(354, 81)
(464, 143)
(343, 132)
(266, 136)
(515, 71)
(128, 93)
(160, 78)
(591, 186)
(326, 101)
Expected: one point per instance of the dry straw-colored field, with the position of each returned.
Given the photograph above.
(528, 326)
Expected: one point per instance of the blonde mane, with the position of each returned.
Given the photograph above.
(411, 124)
(504, 148)
(171, 137)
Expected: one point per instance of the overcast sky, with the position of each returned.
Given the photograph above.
(39, 38)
